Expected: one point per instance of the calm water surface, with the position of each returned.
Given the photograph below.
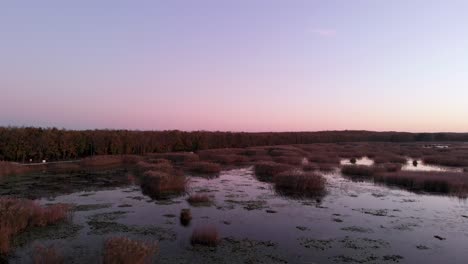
(356, 222)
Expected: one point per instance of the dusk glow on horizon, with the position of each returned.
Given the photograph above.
(249, 65)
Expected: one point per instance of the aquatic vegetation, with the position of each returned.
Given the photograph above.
(177, 157)
(297, 183)
(388, 167)
(206, 236)
(204, 167)
(270, 169)
(157, 184)
(389, 158)
(226, 156)
(185, 217)
(17, 215)
(455, 161)
(46, 255)
(127, 251)
(429, 181)
(199, 199)
(109, 160)
(161, 165)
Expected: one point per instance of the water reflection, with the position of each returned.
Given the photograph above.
(354, 222)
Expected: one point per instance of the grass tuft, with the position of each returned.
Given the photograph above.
(123, 250)
(205, 236)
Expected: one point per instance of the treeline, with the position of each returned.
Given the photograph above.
(28, 143)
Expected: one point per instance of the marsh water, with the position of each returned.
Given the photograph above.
(355, 222)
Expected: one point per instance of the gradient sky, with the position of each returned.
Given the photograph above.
(244, 65)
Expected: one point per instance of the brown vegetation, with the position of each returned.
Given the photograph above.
(10, 168)
(157, 184)
(455, 161)
(433, 182)
(123, 250)
(160, 165)
(206, 236)
(299, 183)
(46, 255)
(389, 158)
(185, 217)
(204, 167)
(22, 144)
(17, 215)
(270, 169)
(177, 157)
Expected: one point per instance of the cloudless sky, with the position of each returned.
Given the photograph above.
(244, 65)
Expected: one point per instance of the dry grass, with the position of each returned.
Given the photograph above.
(300, 183)
(270, 169)
(293, 160)
(161, 165)
(199, 199)
(110, 161)
(223, 156)
(123, 250)
(177, 157)
(447, 161)
(389, 158)
(206, 236)
(9, 168)
(157, 184)
(185, 217)
(204, 167)
(17, 215)
(46, 255)
(433, 182)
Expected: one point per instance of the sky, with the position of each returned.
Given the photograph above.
(244, 65)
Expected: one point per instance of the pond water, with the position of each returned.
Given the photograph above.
(356, 222)
(421, 166)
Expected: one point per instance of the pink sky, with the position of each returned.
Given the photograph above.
(236, 65)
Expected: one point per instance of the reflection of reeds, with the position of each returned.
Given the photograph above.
(206, 236)
(123, 250)
(17, 215)
(158, 184)
(433, 182)
(199, 199)
(46, 255)
(298, 183)
(357, 170)
(447, 161)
